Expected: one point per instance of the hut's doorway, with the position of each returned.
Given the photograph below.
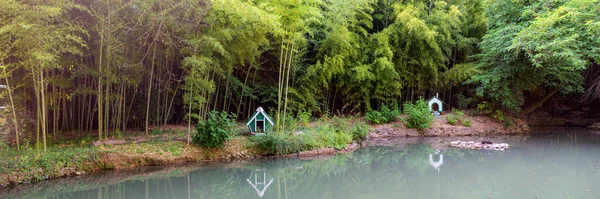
(435, 107)
(260, 126)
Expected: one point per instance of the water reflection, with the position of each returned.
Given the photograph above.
(542, 166)
(436, 163)
(260, 186)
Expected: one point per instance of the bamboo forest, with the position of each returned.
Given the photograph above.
(93, 85)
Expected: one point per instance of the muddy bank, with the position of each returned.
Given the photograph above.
(480, 125)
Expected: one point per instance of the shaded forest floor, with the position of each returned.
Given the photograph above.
(76, 155)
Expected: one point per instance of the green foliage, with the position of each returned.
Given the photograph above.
(341, 139)
(458, 116)
(536, 46)
(418, 115)
(327, 135)
(375, 117)
(304, 117)
(50, 162)
(360, 131)
(215, 130)
(452, 119)
(383, 116)
(462, 101)
(467, 122)
(119, 134)
(278, 144)
(499, 115)
(483, 108)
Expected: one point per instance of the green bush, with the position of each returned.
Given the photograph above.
(391, 115)
(452, 119)
(278, 144)
(360, 131)
(383, 116)
(467, 122)
(375, 117)
(418, 115)
(340, 124)
(458, 116)
(320, 136)
(304, 117)
(215, 130)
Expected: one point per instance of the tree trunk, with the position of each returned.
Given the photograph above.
(12, 106)
(150, 89)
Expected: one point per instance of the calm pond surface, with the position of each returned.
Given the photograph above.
(559, 163)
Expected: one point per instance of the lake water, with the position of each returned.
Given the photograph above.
(556, 164)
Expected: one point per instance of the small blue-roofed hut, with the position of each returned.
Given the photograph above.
(435, 104)
(260, 122)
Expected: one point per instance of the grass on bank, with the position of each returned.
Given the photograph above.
(37, 166)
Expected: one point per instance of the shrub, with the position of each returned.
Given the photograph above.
(483, 108)
(291, 124)
(462, 101)
(391, 115)
(340, 124)
(467, 122)
(418, 115)
(375, 117)
(452, 119)
(360, 131)
(215, 130)
(304, 117)
(458, 116)
(341, 139)
(384, 115)
(278, 144)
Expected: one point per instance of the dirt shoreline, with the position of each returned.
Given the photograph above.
(118, 158)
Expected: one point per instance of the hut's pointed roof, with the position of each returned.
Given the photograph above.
(260, 110)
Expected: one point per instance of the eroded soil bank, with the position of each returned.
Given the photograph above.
(480, 125)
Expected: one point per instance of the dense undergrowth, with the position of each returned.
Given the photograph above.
(29, 161)
(336, 133)
(418, 115)
(383, 115)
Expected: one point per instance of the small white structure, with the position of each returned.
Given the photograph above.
(435, 101)
(2, 106)
(260, 183)
(436, 164)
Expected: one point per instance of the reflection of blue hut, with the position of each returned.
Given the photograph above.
(260, 122)
(439, 162)
(260, 183)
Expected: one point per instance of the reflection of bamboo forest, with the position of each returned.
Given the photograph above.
(535, 166)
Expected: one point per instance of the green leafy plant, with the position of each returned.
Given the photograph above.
(418, 115)
(458, 116)
(341, 139)
(391, 115)
(360, 131)
(452, 119)
(375, 117)
(215, 130)
(304, 117)
(119, 134)
(467, 122)
(278, 144)
(384, 115)
(462, 101)
(499, 115)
